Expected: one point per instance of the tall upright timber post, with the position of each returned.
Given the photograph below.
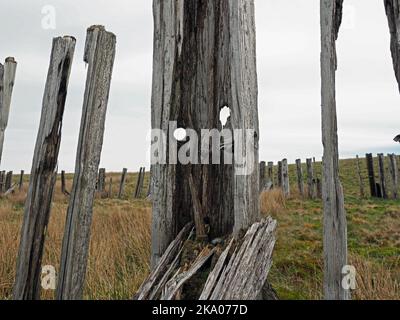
(7, 78)
(335, 224)
(204, 60)
(99, 54)
(392, 8)
(44, 172)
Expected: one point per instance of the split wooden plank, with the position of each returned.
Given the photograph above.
(382, 175)
(44, 172)
(371, 174)
(360, 178)
(335, 224)
(149, 288)
(7, 79)
(99, 55)
(122, 183)
(243, 275)
(394, 175)
(300, 182)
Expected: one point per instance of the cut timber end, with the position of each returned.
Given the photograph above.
(93, 34)
(11, 60)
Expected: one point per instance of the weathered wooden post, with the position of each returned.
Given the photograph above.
(63, 186)
(44, 172)
(2, 181)
(271, 173)
(8, 184)
(7, 79)
(393, 16)
(382, 175)
(262, 175)
(99, 55)
(21, 180)
(279, 174)
(204, 60)
(310, 179)
(110, 192)
(285, 178)
(300, 182)
(371, 174)
(360, 178)
(101, 184)
(394, 175)
(122, 183)
(335, 224)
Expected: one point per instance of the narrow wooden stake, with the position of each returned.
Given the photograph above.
(262, 176)
(310, 179)
(122, 183)
(285, 178)
(2, 181)
(300, 182)
(382, 176)
(63, 187)
(271, 173)
(149, 191)
(335, 224)
(7, 79)
(139, 183)
(394, 175)
(44, 172)
(371, 174)
(101, 184)
(360, 178)
(99, 54)
(21, 180)
(9, 177)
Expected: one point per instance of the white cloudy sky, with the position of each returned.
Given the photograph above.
(288, 70)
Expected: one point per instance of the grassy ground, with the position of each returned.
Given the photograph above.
(120, 242)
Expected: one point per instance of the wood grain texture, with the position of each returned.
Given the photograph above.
(335, 224)
(7, 79)
(99, 55)
(44, 171)
(392, 8)
(204, 59)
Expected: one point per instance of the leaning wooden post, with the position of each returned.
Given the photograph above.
(371, 174)
(271, 173)
(382, 175)
(8, 184)
(99, 54)
(7, 79)
(44, 172)
(394, 175)
(335, 224)
(21, 180)
(285, 178)
(300, 182)
(209, 61)
(360, 178)
(122, 183)
(310, 179)
(139, 183)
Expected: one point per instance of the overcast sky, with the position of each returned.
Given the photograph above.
(288, 70)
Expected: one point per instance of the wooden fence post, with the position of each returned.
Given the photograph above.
(44, 172)
(9, 177)
(382, 176)
(122, 183)
(2, 181)
(394, 175)
(285, 178)
(101, 184)
(271, 173)
(280, 174)
(262, 176)
(300, 182)
(139, 184)
(99, 55)
(21, 180)
(371, 174)
(335, 224)
(360, 178)
(7, 80)
(310, 179)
